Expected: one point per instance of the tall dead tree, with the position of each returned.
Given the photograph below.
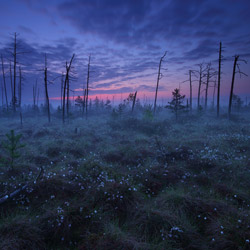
(87, 89)
(209, 74)
(20, 88)
(207, 83)
(219, 80)
(84, 100)
(34, 95)
(4, 83)
(11, 85)
(214, 94)
(62, 89)
(14, 67)
(201, 75)
(158, 80)
(134, 99)
(236, 65)
(66, 79)
(190, 87)
(46, 87)
(67, 101)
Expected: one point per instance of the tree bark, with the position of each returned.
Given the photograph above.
(158, 80)
(4, 83)
(219, 79)
(232, 86)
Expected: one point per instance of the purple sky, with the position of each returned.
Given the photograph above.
(126, 39)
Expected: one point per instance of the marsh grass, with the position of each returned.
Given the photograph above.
(128, 183)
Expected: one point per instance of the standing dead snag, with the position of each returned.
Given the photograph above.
(20, 88)
(66, 80)
(4, 83)
(134, 99)
(219, 78)
(190, 84)
(87, 90)
(201, 75)
(158, 79)
(34, 95)
(46, 87)
(236, 65)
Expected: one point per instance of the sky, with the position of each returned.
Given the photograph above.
(126, 40)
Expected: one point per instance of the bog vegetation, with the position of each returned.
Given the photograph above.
(94, 175)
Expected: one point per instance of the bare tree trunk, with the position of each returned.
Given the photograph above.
(133, 106)
(87, 91)
(4, 84)
(15, 62)
(190, 83)
(219, 78)
(84, 101)
(46, 87)
(2, 93)
(214, 94)
(34, 94)
(232, 86)
(67, 102)
(65, 85)
(11, 84)
(38, 96)
(207, 85)
(20, 88)
(62, 90)
(158, 79)
(200, 82)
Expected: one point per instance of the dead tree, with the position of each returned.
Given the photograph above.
(214, 94)
(201, 75)
(46, 87)
(4, 83)
(67, 101)
(134, 99)
(209, 74)
(236, 65)
(87, 90)
(84, 101)
(219, 80)
(34, 95)
(20, 88)
(66, 79)
(190, 86)
(11, 84)
(158, 80)
(62, 89)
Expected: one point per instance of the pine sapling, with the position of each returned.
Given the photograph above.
(12, 146)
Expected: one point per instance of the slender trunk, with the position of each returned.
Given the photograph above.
(232, 86)
(219, 78)
(20, 88)
(61, 90)
(46, 87)
(84, 101)
(190, 82)
(34, 94)
(67, 103)
(2, 93)
(214, 94)
(65, 86)
(14, 86)
(199, 88)
(158, 80)
(207, 85)
(4, 83)
(38, 97)
(87, 91)
(133, 106)
(11, 85)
